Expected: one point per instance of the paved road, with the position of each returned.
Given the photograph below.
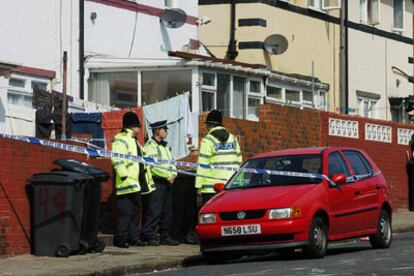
(349, 258)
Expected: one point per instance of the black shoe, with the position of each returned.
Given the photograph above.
(137, 243)
(153, 243)
(191, 238)
(121, 244)
(169, 241)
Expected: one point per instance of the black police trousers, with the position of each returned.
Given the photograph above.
(128, 217)
(159, 211)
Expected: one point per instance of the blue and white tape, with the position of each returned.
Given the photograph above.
(157, 162)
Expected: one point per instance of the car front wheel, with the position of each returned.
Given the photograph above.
(383, 237)
(318, 239)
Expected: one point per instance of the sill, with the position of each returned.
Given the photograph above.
(397, 30)
(316, 10)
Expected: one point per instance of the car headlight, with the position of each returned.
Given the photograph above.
(207, 218)
(284, 213)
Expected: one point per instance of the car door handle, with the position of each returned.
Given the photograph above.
(357, 192)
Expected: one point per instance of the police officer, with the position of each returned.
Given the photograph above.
(159, 211)
(219, 147)
(132, 179)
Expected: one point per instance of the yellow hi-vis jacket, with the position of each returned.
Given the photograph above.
(221, 148)
(126, 144)
(160, 150)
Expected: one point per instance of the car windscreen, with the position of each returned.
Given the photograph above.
(306, 163)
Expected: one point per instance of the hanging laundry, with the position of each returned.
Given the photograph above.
(176, 111)
(89, 123)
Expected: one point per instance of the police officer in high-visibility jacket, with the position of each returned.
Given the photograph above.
(159, 210)
(219, 147)
(132, 179)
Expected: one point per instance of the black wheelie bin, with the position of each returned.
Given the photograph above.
(57, 200)
(92, 205)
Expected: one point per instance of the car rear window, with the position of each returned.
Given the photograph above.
(307, 163)
(359, 163)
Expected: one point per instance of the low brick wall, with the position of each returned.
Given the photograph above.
(279, 127)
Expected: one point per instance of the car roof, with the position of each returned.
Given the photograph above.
(299, 151)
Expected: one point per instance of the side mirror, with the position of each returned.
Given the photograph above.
(338, 178)
(218, 187)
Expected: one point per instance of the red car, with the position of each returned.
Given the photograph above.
(329, 194)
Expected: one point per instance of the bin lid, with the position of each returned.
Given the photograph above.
(81, 167)
(56, 177)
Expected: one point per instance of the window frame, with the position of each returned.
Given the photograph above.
(26, 91)
(396, 29)
(366, 16)
(372, 112)
(363, 160)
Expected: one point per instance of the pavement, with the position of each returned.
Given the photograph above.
(134, 260)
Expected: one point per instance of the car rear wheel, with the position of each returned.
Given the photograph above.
(318, 239)
(383, 237)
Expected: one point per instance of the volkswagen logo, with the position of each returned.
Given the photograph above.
(241, 215)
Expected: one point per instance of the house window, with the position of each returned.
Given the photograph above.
(307, 98)
(369, 10)
(253, 109)
(169, 3)
(398, 6)
(315, 4)
(208, 100)
(20, 89)
(119, 89)
(161, 85)
(274, 92)
(367, 107)
(223, 94)
(209, 79)
(254, 99)
(239, 97)
(235, 96)
(292, 96)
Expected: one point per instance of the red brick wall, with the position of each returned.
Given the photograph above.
(18, 162)
(282, 127)
(279, 128)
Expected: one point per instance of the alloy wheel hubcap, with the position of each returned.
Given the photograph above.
(319, 237)
(385, 229)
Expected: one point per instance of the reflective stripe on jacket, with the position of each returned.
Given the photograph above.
(220, 153)
(160, 151)
(126, 144)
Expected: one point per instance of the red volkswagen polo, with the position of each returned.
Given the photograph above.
(300, 198)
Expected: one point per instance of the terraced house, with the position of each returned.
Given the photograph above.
(361, 49)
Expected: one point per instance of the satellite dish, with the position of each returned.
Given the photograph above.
(173, 18)
(276, 44)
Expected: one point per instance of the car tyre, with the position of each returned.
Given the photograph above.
(318, 239)
(215, 257)
(383, 237)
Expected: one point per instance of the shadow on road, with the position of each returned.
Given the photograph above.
(274, 256)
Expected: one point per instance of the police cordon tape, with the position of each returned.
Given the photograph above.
(157, 162)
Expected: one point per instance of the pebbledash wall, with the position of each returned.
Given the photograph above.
(280, 127)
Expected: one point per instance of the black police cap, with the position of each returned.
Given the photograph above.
(159, 124)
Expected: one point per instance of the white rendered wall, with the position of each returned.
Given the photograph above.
(35, 34)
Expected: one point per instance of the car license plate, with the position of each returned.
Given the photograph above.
(241, 230)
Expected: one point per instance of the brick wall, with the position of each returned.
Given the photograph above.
(279, 128)
(18, 162)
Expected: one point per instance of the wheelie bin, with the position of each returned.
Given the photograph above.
(91, 211)
(57, 200)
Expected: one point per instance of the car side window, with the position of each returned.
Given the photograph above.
(337, 164)
(358, 162)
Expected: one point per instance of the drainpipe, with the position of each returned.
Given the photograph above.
(232, 50)
(81, 48)
(343, 105)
